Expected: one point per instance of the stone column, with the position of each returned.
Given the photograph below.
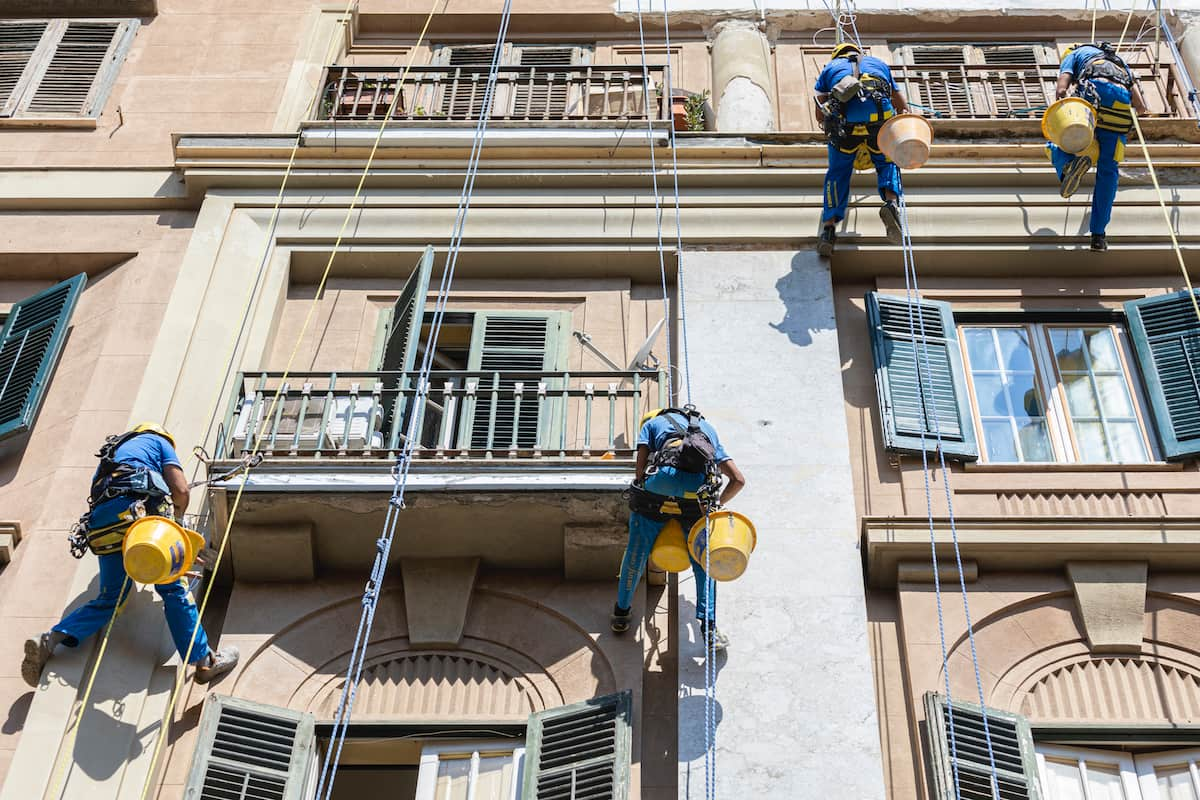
(742, 93)
(1188, 41)
(795, 714)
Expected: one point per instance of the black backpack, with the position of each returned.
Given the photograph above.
(686, 449)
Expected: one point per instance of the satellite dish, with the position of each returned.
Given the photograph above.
(643, 352)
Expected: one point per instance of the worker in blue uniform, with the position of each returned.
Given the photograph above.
(673, 480)
(855, 95)
(139, 474)
(1097, 74)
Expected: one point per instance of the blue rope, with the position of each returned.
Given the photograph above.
(658, 210)
(400, 471)
(913, 291)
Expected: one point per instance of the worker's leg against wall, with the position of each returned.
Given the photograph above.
(1059, 158)
(642, 533)
(887, 175)
(182, 617)
(837, 184)
(92, 617)
(1107, 177)
(706, 590)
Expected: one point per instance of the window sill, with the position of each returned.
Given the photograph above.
(72, 123)
(1154, 466)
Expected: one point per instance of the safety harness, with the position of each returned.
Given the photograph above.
(857, 86)
(687, 449)
(102, 528)
(1117, 118)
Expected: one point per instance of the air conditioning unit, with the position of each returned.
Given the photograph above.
(333, 437)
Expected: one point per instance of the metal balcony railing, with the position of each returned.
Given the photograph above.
(531, 94)
(468, 415)
(986, 91)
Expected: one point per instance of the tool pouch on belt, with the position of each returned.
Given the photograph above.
(1118, 118)
(126, 495)
(661, 508)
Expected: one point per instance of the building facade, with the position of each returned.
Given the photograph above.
(240, 220)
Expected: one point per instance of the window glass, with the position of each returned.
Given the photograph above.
(1174, 782)
(1008, 398)
(1104, 783)
(1062, 781)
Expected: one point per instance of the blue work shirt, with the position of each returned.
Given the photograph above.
(669, 481)
(1078, 58)
(859, 109)
(148, 450)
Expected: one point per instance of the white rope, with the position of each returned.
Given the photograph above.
(403, 465)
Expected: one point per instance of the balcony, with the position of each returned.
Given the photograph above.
(519, 469)
(957, 91)
(546, 96)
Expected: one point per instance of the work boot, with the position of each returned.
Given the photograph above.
(1099, 243)
(1073, 174)
(827, 241)
(37, 653)
(620, 619)
(713, 638)
(889, 212)
(216, 664)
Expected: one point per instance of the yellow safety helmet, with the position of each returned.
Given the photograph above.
(649, 415)
(158, 550)
(1071, 47)
(154, 427)
(840, 50)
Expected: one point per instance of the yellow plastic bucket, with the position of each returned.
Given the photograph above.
(158, 550)
(906, 139)
(670, 551)
(730, 541)
(1070, 123)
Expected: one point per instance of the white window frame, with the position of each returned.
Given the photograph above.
(1146, 775)
(1058, 418)
(432, 752)
(1082, 757)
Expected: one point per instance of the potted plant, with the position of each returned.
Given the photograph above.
(693, 112)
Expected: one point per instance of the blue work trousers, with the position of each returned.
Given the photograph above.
(181, 613)
(643, 531)
(839, 173)
(1112, 150)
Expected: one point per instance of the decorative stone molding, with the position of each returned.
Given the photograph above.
(1133, 690)
(10, 537)
(1111, 597)
(437, 593)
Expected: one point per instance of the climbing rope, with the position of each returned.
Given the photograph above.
(928, 400)
(401, 470)
(257, 440)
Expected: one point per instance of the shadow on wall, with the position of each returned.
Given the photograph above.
(805, 292)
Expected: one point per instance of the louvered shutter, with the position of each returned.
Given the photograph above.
(250, 751)
(18, 43)
(968, 759)
(77, 74)
(30, 343)
(1166, 338)
(909, 400)
(580, 752)
(466, 81)
(513, 342)
(1160, 86)
(403, 329)
(1016, 85)
(935, 80)
(542, 93)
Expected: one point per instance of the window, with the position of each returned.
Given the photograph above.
(977, 80)
(31, 340)
(470, 771)
(1058, 387)
(1046, 393)
(541, 92)
(55, 69)
(1071, 773)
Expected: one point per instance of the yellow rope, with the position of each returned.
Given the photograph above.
(68, 744)
(182, 672)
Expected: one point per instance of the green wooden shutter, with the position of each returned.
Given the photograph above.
(1166, 338)
(30, 344)
(580, 752)
(909, 401)
(77, 73)
(250, 751)
(1012, 747)
(515, 341)
(18, 43)
(404, 328)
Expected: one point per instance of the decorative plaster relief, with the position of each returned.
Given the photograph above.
(1111, 596)
(1082, 504)
(1133, 690)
